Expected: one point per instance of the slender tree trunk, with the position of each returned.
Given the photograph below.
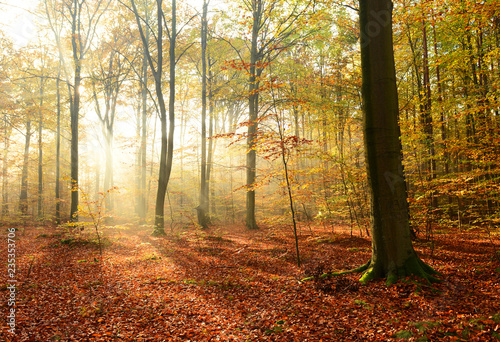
(23, 198)
(137, 197)
(58, 149)
(75, 110)
(427, 121)
(203, 207)
(5, 193)
(144, 93)
(167, 141)
(108, 172)
(40, 153)
(253, 109)
(393, 255)
(211, 142)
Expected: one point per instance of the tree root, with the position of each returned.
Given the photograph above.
(413, 266)
(158, 232)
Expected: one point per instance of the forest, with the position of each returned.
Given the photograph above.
(250, 170)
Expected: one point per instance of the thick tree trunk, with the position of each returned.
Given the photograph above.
(393, 255)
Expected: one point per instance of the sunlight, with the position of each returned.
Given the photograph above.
(315, 148)
(17, 20)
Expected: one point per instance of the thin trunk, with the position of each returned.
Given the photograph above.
(253, 109)
(203, 207)
(40, 154)
(75, 106)
(211, 142)
(58, 150)
(427, 117)
(167, 141)
(137, 180)
(5, 193)
(23, 198)
(143, 151)
(142, 201)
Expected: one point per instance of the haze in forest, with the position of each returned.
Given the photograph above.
(245, 102)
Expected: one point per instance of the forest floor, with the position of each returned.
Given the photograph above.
(231, 284)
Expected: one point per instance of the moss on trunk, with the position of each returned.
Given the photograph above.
(413, 266)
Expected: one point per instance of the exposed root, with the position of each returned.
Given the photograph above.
(412, 267)
(158, 232)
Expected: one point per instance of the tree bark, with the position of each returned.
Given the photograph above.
(23, 198)
(5, 193)
(253, 113)
(203, 207)
(144, 94)
(393, 255)
(167, 140)
(40, 153)
(58, 150)
(75, 105)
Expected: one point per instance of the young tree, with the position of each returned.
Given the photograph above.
(393, 255)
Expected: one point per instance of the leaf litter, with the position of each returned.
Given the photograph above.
(232, 284)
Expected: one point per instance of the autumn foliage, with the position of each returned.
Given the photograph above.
(233, 284)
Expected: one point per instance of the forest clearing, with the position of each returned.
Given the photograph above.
(232, 284)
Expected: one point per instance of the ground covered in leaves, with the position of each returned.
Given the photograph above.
(231, 284)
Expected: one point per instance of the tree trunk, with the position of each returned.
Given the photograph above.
(393, 255)
(23, 198)
(5, 193)
(203, 207)
(167, 141)
(108, 169)
(40, 153)
(58, 150)
(211, 143)
(75, 110)
(144, 94)
(427, 121)
(253, 112)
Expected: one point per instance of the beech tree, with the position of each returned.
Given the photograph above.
(110, 71)
(272, 32)
(83, 17)
(202, 209)
(393, 255)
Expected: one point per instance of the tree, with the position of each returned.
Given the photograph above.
(110, 71)
(167, 140)
(393, 255)
(203, 207)
(82, 17)
(272, 32)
